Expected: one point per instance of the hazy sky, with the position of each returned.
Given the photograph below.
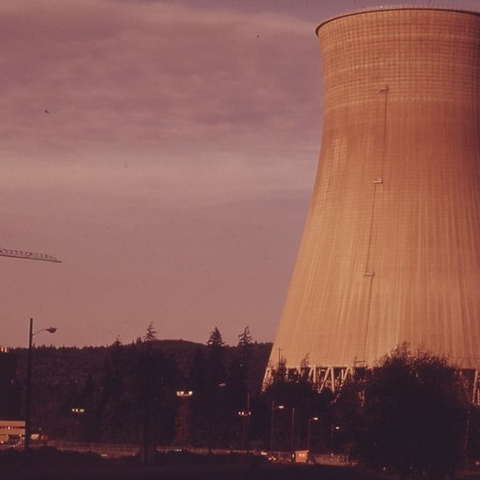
(165, 151)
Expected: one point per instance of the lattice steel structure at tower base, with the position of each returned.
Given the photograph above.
(391, 247)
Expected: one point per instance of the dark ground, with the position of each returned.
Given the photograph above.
(50, 464)
(189, 472)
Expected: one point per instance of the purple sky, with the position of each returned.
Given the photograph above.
(165, 151)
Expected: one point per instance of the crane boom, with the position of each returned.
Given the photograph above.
(5, 252)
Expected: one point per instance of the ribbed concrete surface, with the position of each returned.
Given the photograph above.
(391, 247)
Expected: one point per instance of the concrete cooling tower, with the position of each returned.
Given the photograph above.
(391, 247)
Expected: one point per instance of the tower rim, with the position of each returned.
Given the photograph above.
(387, 8)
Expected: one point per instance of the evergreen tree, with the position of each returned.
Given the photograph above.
(215, 339)
(151, 334)
(215, 359)
(214, 395)
(245, 339)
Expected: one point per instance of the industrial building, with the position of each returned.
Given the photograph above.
(391, 247)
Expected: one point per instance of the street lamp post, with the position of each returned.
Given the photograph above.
(272, 418)
(214, 391)
(292, 432)
(77, 414)
(247, 425)
(333, 429)
(28, 393)
(309, 430)
(245, 415)
(184, 395)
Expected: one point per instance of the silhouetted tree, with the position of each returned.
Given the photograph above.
(117, 384)
(151, 334)
(216, 390)
(342, 429)
(112, 402)
(245, 340)
(150, 383)
(197, 382)
(473, 433)
(10, 398)
(415, 415)
(88, 417)
(294, 390)
(244, 357)
(215, 359)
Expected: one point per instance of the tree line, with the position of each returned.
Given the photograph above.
(124, 393)
(411, 413)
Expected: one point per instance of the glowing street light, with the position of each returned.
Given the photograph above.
(28, 394)
(184, 394)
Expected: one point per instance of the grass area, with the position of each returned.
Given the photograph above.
(51, 464)
(188, 472)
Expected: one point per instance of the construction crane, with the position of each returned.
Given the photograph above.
(6, 252)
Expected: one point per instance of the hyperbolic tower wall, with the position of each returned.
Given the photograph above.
(391, 247)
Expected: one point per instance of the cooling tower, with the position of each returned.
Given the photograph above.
(391, 247)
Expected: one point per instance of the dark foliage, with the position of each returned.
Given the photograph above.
(410, 414)
(304, 411)
(127, 393)
(50, 464)
(415, 415)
